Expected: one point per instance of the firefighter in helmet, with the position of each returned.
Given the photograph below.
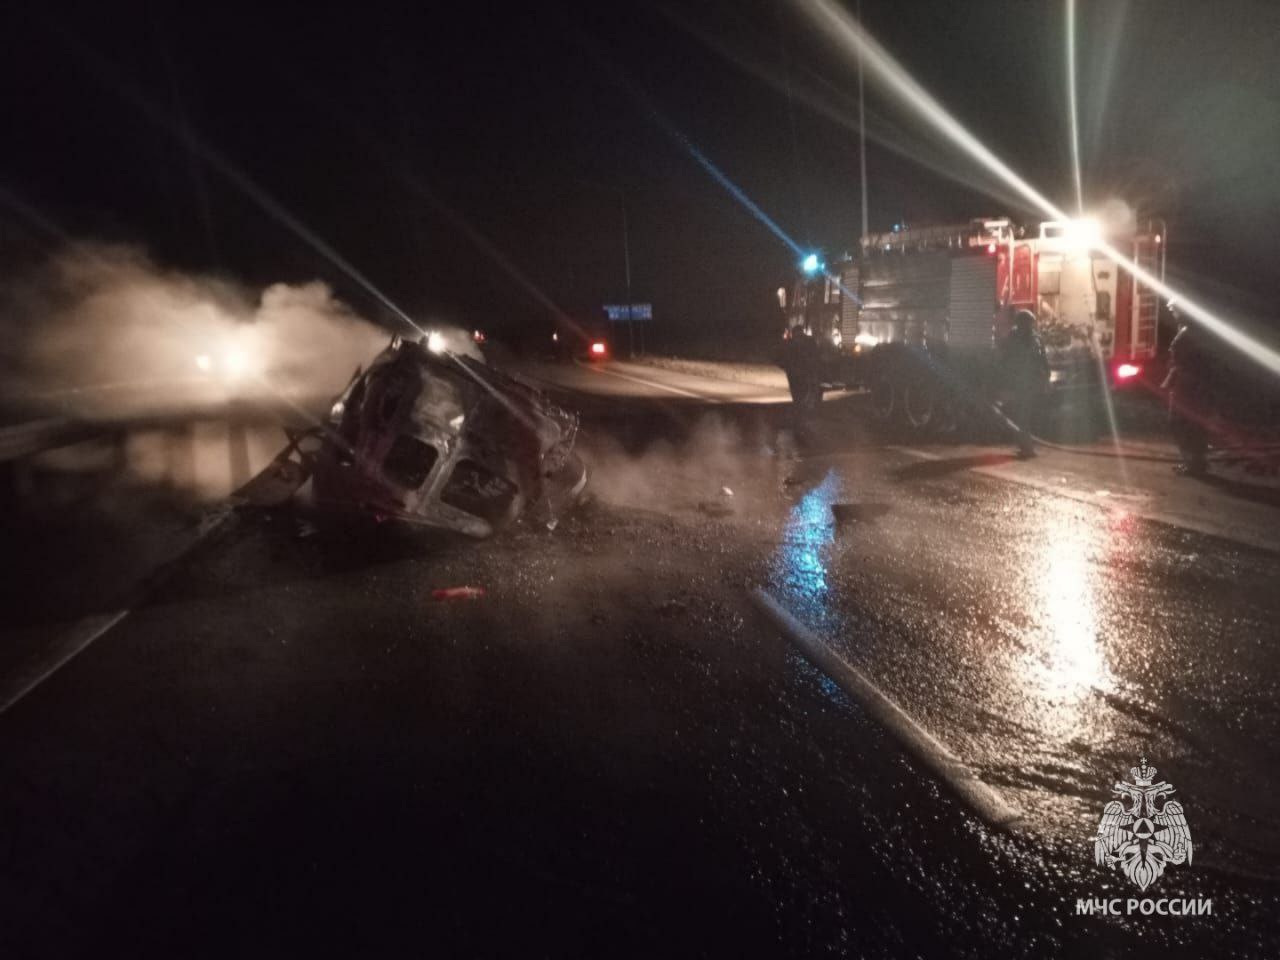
(1026, 375)
(1188, 386)
(802, 361)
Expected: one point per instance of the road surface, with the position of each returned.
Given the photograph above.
(286, 746)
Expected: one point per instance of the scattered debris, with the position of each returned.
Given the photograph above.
(211, 520)
(672, 607)
(845, 513)
(458, 593)
(715, 508)
(278, 482)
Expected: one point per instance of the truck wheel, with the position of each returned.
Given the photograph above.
(883, 400)
(920, 404)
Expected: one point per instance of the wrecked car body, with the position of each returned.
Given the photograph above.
(432, 438)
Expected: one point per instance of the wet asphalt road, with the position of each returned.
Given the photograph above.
(289, 748)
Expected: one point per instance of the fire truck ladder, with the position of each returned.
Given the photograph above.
(1146, 303)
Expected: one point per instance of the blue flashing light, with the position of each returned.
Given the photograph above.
(811, 263)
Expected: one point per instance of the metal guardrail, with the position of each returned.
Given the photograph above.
(31, 438)
(27, 439)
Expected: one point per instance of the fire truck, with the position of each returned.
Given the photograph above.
(917, 313)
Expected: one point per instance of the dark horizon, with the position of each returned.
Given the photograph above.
(383, 131)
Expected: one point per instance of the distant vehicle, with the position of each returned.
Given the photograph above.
(916, 314)
(581, 342)
(431, 438)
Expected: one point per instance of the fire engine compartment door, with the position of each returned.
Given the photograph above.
(849, 306)
(904, 296)
(971, 306)
(1022, 288)
(1067, 293)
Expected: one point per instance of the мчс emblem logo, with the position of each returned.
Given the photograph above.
(1142, 838)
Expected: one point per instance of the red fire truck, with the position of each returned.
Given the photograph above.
(917, 313)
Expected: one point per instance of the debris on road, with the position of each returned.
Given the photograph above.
(458, 593)
(846, 513)
(276, 484)
(715, 508)
(672, 608)
(725, 491)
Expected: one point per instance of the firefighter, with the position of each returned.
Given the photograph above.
(1188, 386)
(1026, 375)
(802, 363)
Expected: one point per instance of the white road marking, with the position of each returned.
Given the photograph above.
(1071, 493)
(78, 636)
(65, 648)
(651, 383)
(981, 798)
(1136, 503)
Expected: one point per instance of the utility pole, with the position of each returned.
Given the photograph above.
(626, 258)
(626, 262)
(862, 134)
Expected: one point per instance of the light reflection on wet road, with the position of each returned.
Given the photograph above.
(1064, 667)
(1046, 641)
(613, 719)
(801, 560)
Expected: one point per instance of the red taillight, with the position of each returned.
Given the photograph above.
(1127, 371)
(991, 248)
(597, 349)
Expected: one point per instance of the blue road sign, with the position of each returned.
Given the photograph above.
(624, 312)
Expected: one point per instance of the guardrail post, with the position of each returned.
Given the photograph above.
(238, 451)
(180, 456)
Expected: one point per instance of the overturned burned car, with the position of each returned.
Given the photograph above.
(433, 438)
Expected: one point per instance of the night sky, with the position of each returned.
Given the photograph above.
(400, 134)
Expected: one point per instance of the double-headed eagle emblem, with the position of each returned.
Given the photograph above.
(1143, 839)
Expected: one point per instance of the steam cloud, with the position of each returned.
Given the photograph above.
(674, 477)
(96, 323)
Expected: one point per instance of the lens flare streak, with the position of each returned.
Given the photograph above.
(1072, 105)
(836, 23)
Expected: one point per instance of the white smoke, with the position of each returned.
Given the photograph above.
(98, 323)
(1117, 217)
